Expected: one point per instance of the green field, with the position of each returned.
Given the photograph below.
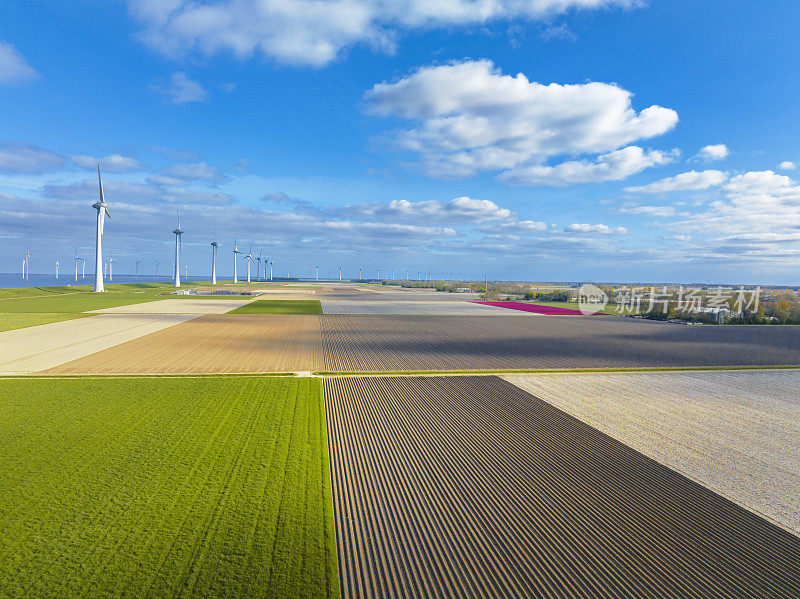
(20, 320)
(280, 307)
(81, 299)
(165, 487)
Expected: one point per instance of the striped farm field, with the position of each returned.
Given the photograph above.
(471, 487)
(179, 487)
(214, 344)
(399, 343)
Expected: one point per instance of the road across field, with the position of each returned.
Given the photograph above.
(214, 344)
(41, 347)
(383, 343)
(470, 487)
(736, 432)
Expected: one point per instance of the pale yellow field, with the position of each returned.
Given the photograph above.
(181, 306)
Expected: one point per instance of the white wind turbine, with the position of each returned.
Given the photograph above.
(214, 246)
(235, 256)
(249, 257)
(271, 263)
(340, 274)
(102, 211)
(137, 268)
(77, 259)
(111, 268)
(178, 232)
(258, 267)
(24, 264)
(56, 269)
(317, 267)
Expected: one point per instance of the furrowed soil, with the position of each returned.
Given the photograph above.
(381, 343)
(186, 487)
(470, 487)
(214, 344)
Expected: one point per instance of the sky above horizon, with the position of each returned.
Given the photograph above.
(558, 140)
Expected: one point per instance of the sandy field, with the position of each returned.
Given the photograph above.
(215, 344)
(181, 306)
(41, 347)
(413, 307)
(470, 487)
(382, 343)
(737, 432)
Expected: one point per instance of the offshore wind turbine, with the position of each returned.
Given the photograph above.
(102, 211)
(235, 252)
(178, 232)
(214, 246)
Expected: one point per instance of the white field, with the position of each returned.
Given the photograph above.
(736, 432)
(437, 308)
(180, 306)
(38, 348)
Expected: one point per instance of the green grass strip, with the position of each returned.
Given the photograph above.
(280, 307)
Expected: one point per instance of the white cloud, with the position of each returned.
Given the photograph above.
(712, 152)
(115, 163)
(787, 165)
(314, 32)
(13, 68)
(662, 211)
(613, 166)
(23, 158)
(199, 171)
(472, 118)
(180, 89)
(692, 180)
(598, 228)
(462, 209)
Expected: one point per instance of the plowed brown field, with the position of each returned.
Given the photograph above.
(382, 343)
(214, 344)
(470, 487)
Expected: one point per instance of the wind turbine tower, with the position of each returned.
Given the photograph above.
(271, 262)
(137, 268)
(56, 270)
(340, 274)
(214, 246)
(249, 257)
(178, 232)
(258, 267)
(102, 212)
(317, 267)
(111, 268)
(235, 256)
(77, 259)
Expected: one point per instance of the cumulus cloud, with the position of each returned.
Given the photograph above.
(13, 68)
(462, 209)
(115, 163)
(712, 152)
(314, 32)
(598, 228)
(692, 180)
(787, 165)
(180, 89)
(613, 166)
(24, 158)
(471, 118)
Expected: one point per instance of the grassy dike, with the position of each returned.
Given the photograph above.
(148, 487)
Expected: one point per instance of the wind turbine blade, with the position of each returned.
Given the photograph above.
(100, 183)
(107, 214)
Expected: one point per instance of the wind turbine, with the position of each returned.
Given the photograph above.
(186, 270)
(235, 252)
(77, 259)
(56, 269)
(340, 274)
(111, 268)
(359, 273)
(157, 265)
(258, 267)
(137, 268)
(214, 246)
(83, 269)
(102, 212)
(317, 267)
(24, 263)
(378, 277)
(249, 257)
(271, 262)
(178, 232)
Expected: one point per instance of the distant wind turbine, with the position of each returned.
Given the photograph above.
(56, 269)
(271, 263)
(157, 265)
(340, 274)
(249, 260)
(178, 232)
(102, 211)
(214, 246)
(77, 259)
(258, 267)
(137, 268)
(235, 256)
(111, 268)
(317, 268)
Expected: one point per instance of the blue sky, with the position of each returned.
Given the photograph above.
(524, 139)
